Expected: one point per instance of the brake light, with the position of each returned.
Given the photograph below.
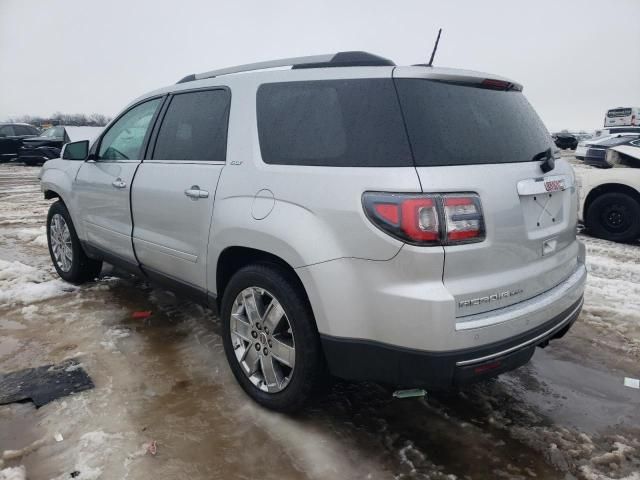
(429, 219)
(496, 84)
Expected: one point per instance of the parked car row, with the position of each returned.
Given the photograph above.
(24, 143)
(12, 135)
(37, 150)
(603, 135)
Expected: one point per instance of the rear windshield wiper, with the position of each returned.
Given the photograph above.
(549, 162)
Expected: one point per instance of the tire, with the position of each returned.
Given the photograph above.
(291, 387)
(614, 216)
(73, 266)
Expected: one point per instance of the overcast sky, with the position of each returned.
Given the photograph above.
(575, 59)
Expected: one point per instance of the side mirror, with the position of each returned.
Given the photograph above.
(76, 150)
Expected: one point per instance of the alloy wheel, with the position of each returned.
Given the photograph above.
(61, 244)
(262, 339)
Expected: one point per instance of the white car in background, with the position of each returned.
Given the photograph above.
(602, 136)
(609, 203)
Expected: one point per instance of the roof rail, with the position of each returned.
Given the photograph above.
(340, 59)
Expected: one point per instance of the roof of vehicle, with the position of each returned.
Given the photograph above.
(17, 123)
(336, 61)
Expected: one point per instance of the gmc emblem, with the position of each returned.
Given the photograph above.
(554, 185)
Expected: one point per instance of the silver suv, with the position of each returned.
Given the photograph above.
(406, 225)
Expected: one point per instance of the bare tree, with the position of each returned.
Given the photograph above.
(59, 118)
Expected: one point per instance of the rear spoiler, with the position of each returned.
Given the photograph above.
(458, 77)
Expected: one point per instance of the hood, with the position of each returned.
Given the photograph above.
(42, 141)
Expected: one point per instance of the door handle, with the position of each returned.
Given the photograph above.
(118, 183)
(194, 192)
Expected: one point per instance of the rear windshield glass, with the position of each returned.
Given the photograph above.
(462, 125)
(619, 112)
(338, 123)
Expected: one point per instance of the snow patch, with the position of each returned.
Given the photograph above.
(13, 473)
(35, 236)
(23, 284)
(92, 449)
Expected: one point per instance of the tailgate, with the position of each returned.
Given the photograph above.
(530, 221)
(472, 133)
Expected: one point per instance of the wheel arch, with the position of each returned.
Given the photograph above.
(233, 258)
(608, 188)
(50, 194)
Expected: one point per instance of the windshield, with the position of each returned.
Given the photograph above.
(452, 124)
(619, 112)
(53, 132)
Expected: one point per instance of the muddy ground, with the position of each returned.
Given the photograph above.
(565, 415)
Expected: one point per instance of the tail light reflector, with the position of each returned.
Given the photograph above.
(463, 217)
(429, 219)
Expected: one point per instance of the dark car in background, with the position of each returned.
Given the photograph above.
(37, 150)
(565, 140)
(596, 155)
(12, 136)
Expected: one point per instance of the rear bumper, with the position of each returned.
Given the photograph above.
(367, 360)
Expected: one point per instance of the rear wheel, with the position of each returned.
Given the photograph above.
(270, 338)
(614, 216)
(69, 260)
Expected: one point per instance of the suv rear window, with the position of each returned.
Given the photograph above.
(451, 124)
(338, 123)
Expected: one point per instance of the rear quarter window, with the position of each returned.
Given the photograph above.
(337, 123)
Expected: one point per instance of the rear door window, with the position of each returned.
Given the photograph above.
(195, 127)
(452, 124)
(337, 123)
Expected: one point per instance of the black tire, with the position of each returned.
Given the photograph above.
(309, 371)
(83, 268)
(614, 216)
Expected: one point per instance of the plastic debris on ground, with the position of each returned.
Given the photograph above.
(152, 448)
(44, 384)
(141, 315)
(631, 382)
(414, 392)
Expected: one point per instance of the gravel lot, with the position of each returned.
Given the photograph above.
(565, 415)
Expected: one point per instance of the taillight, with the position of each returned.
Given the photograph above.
(429, 219)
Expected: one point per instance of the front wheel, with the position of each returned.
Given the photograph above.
(67, 255)
(614, 216)
(270, 338)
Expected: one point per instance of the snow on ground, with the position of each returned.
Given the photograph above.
(13, 473)
(566, 415)
(612, 304)
(23, 284)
